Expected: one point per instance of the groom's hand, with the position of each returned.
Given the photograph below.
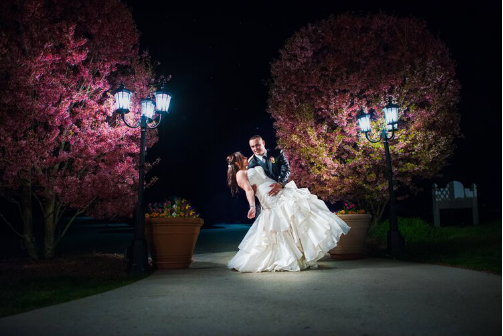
(275, 189)
(254, 187)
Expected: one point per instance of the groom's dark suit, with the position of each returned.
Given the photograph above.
(275, 167)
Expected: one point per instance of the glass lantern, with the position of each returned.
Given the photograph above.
(122, 99)
(391, 115)
(162, 99)
(147, 108)
(364, 121)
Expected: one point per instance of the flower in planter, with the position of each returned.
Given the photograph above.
(350, 209)
(179, 207)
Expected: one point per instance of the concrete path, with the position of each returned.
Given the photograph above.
(368, 296)
(89, 235)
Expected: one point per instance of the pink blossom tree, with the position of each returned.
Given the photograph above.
(61, 146)
(327, 71)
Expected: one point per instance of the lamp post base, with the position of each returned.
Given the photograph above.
(137, 257)
(396, 243)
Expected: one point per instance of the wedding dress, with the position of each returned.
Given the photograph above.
(293, 231)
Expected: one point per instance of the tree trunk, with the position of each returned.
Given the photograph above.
(27, 213)
(376, 209)
(50, 225)
(375, 219)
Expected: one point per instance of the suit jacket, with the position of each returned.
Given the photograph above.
(277, 166)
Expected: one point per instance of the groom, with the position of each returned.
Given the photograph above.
(274, 163)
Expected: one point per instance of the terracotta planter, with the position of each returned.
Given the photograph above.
(172, 240)
(352, 245)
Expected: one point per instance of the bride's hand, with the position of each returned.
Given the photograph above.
(251, 213)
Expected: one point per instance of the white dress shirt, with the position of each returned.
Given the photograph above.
(262, 157)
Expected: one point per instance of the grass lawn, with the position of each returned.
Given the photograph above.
(472, 247)
(26, 285)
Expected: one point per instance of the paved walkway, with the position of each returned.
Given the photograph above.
(368, 296)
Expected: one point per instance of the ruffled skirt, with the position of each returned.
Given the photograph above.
(290, 236)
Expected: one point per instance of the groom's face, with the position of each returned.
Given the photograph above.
(257, 146)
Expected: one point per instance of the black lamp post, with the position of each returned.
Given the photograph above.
(151, 114)
(396, 242)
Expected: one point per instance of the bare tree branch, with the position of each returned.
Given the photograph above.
(11, 226)
(39, 203)
(78, 212)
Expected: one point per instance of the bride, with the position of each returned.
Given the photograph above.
(294, 229)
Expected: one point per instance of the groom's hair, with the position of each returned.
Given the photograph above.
(255, 137)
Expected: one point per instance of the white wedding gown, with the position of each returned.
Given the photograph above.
(294, 230)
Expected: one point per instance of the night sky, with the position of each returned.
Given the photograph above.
(219, 59)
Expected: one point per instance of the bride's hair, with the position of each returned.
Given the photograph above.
(234, 162)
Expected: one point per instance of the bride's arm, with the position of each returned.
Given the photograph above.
(242, 180)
